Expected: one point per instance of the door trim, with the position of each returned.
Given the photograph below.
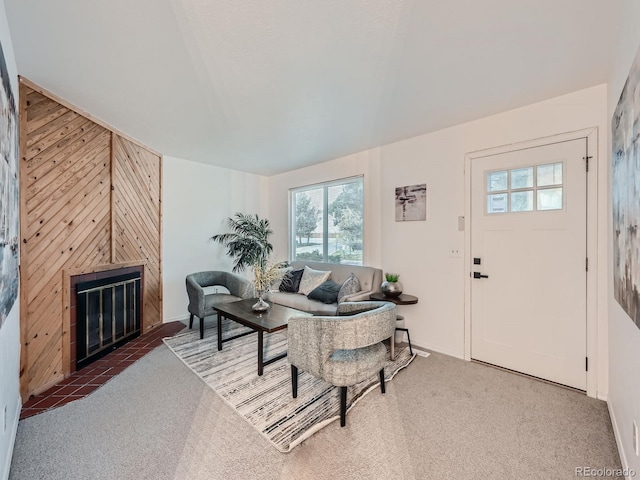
(591, 136)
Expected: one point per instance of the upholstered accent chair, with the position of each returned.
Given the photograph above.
(202, 294)
(342, 350)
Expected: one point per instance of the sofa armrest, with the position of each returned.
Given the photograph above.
(196, 296)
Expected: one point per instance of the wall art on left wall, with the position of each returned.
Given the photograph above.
(9, 212)
(625, 193)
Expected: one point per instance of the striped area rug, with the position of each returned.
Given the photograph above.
(266, 401)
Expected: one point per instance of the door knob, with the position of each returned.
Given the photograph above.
(479, 275)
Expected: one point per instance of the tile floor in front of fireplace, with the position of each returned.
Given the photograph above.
(93, 376)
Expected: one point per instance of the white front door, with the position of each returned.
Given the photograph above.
(528, 237)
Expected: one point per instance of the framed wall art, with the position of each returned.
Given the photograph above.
(9, 212)
(625, 190)
(411, 203)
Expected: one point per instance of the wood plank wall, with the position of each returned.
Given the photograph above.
(88, 197)
(136, 216)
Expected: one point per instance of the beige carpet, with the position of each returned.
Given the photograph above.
(265, 401)
(441, 419)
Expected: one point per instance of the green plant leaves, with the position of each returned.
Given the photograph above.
(248, 242)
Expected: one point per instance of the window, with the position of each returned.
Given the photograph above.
(525, 189)
(326, 222)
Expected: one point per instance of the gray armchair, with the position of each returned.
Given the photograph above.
(342, 350)
(201, 303)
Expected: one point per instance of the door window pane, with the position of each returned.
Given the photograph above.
(550, 199)
(497, 181)
(522, 178)
(497, 203)
(549, 174)
(522, 201)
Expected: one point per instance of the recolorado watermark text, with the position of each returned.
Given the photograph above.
(605, 472)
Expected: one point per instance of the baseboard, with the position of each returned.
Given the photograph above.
(178, 318)
(438, 350)
(12, 442)
(602, 396)
(616, 434)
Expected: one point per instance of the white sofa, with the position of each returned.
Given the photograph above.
(370, 280)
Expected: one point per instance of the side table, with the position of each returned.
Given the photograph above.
(402, 299)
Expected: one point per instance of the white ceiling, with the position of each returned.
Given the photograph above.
(266, 86)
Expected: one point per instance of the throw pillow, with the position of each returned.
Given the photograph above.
(350, 286)
(311, 279)
(326, 292)
(291, 281)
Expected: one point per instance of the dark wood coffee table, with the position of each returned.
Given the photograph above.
(274, 319)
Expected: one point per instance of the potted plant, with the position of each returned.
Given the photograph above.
(391, 287)
(248, 244)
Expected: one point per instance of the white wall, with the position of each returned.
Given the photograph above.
(9, 382)
(10, 331)
(624, 336)
(437, 159)
(196, 201)
(419, 251)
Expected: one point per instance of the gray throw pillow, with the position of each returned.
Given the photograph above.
(350, 286)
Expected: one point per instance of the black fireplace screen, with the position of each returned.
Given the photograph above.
(108, 315)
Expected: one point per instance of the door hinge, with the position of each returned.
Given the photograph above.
(586, 162)
(586, 363)
(586, 264)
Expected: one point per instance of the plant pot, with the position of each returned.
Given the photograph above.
(391, 289)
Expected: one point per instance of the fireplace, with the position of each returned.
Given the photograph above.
(106, 313)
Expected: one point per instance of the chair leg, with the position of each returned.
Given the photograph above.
(190, 321)
(408, 338)
(382, 380)
(343, 406)
(294, 381)
(201, 328)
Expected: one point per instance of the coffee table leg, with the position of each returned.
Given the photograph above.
(219, 331)
(260, 354)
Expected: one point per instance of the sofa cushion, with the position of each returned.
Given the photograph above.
(347, 367)
(300, 302)
(311, 279)
(326, 292)
(350, 286)
(291, 281)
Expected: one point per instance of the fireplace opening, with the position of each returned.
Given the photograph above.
(107, 315)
